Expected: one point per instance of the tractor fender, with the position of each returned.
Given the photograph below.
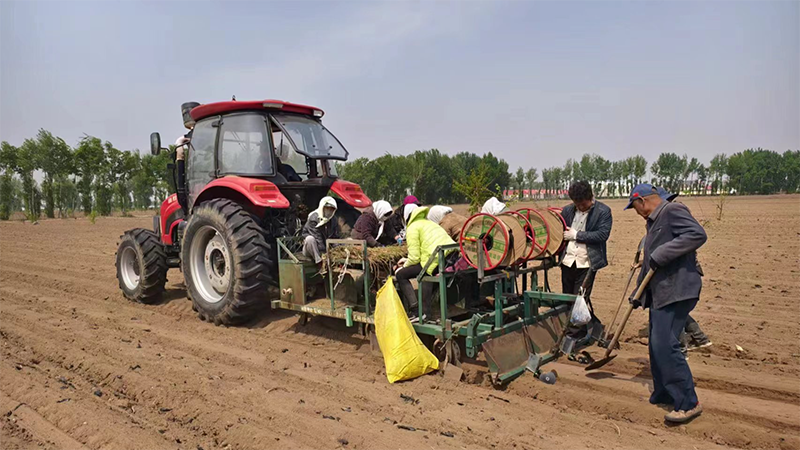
(171, 215)
(259, 194)
(351, 193)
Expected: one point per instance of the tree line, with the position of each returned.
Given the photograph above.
(96, 178)
(93, 177)
(437, 178)
(432, 176)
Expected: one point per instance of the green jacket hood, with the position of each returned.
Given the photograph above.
(422, 211)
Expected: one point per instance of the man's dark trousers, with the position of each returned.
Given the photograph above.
(572, 278)
(672, 379)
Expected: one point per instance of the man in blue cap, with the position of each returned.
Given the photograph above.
(673, 237)
(692, 337)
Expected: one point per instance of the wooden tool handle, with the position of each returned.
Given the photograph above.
(621, 327)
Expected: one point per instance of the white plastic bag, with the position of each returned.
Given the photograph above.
(580, 312)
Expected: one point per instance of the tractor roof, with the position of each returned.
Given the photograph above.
(213, 109)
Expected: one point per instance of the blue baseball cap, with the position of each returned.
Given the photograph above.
(641, 191)
(665, 194)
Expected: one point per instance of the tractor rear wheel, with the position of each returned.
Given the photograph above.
(141, 266)
(228, 262)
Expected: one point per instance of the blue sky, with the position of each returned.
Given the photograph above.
(533, 82)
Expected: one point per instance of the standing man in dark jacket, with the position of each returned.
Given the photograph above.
(692, 337)
(673, 237)
(589, 226)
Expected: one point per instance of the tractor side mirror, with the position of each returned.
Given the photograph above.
(155, 143)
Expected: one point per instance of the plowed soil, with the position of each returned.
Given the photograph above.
(84, 368)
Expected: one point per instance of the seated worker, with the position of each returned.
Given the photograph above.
(372, 222)
(283, 150)
(396, 226)
(423, 237)
(494, 206)
(320, 227)
(447, 219)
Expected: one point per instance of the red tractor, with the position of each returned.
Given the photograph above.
(253, 172)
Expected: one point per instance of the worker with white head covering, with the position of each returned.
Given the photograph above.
(437, 213)
(407, 212)
(320, 227)
(370, 225)
(493, 206)
(445, 217)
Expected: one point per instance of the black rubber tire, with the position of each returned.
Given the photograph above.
(253, 262)
(151, 259)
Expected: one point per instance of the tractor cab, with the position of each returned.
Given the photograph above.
(274, 158)
(283, 143)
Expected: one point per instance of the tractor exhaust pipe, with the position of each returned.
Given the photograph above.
(186, 108)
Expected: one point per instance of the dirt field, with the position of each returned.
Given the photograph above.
(84, 368)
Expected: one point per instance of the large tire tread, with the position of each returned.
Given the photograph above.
(254, 265)
(153, 274)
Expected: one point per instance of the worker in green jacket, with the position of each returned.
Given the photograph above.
(423, 237)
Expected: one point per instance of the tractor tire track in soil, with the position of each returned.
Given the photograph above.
(83, 368)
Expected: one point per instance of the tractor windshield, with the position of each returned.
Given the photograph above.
(311, 138)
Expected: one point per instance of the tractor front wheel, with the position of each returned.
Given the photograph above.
(228, 262)
(141, 266)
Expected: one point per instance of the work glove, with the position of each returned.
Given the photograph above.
(636, 303)
(571, 234)
(400, 264)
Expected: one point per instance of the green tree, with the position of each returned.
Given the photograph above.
(718, 168)
(637, 168)
(123, 165)
(105, 179)
(588, 170)
(27, 158)
(474, 187)
(89, 157)
(519, 179)
(791, 170)
(756, 171)
(669, 170)
(433, 175)
(497, 170)
(530, 178)
(8, 164)
(602, 175)
(54, 158)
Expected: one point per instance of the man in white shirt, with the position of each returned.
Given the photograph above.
(589, 226)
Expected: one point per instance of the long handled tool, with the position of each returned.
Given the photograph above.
(608, 357)
(634, 266)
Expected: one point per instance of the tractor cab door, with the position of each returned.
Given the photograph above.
(293, 165)
(200, 167)
(242, 148)
(304, 146)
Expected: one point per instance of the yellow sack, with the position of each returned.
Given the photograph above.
(404, 354)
